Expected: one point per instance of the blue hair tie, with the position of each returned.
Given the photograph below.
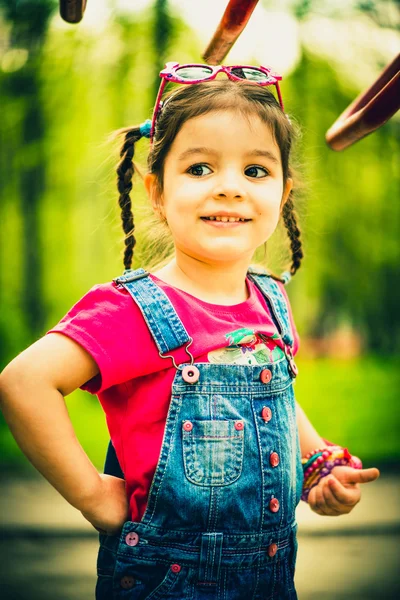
(145, 128)
(286, 277)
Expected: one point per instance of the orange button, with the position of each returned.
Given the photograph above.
(127, 582)
(266, 414)
(274, 505)
(274, 459)
(272, 550)
(265, 375)
(188, 426)
(239, 425)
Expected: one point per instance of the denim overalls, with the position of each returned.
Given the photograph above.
(220, 519)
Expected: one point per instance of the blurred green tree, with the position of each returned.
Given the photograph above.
(27, 22)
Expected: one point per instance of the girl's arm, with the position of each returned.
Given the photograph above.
(32, 390)
(309, 438)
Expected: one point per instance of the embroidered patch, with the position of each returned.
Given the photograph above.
(247, 347)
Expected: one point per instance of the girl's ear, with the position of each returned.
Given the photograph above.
(286, 192)
(152, 190)
(150, 184)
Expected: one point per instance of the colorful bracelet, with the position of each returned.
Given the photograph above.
(320, 462)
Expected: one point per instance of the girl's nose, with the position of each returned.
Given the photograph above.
(229, 186)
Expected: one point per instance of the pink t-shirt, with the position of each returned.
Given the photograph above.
(134, 382)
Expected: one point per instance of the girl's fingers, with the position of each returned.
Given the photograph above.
(365, 475)
(332, 499)
(352, 476)
(347, 496)
(333, 506)
(339, 492)
(325, 500)
(311, 498)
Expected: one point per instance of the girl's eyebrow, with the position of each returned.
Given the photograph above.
(204, 150)
(266, 154)
(199, 150)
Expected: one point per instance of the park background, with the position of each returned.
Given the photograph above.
(64, 88)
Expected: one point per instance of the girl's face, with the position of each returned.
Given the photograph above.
(221, 167)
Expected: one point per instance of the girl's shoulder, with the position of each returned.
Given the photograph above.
(110, 327)
(103, 296)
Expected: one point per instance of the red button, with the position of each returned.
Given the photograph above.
(239, 425)
(274, 505)
(176, 568)
(274, 459)
(266, 414)
(265, 375)
(132, 539)
(190, 374)
(127, 582)
(188, 426)
(272, 550)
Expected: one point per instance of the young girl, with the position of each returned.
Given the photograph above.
(193, 365)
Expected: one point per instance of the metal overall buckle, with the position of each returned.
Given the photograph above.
(292, 365)
(190, 373)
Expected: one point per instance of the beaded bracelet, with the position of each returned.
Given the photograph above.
(320, 462)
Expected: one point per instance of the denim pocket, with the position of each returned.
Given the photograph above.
(143, 580)
(164, 587)
(213, 451)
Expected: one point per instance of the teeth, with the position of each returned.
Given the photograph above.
(225, 219)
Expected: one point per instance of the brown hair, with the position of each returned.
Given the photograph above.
(190, 101)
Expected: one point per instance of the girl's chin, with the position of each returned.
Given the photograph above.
(224, 253)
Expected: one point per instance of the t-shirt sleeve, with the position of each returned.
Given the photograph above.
(296, 343)
(108, 324)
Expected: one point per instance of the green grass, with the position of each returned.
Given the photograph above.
(354, 403)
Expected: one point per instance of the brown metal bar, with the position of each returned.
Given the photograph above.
(234, 20)
(72, 10)
(369, 111)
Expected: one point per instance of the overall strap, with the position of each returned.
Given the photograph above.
(163, 322)
(276, 300)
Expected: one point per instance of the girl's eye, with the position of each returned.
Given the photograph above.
(198, 170)
(256, 172)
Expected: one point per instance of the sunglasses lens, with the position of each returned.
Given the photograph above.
(250, 74)
(193, 73)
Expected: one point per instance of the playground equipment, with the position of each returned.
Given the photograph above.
(72, 10)
(233, 21)
(369, 111)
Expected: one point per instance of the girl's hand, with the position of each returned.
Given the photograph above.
(339, 492)
(109, 510)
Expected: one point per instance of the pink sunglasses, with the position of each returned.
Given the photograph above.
(196, 73)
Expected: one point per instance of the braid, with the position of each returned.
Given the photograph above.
(290, 220)
(125, 170)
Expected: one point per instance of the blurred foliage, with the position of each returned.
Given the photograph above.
(382, 12)
(64, 88)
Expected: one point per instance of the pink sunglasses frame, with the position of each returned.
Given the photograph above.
(169, 73)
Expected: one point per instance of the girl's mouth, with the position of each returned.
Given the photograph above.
(225, 221)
